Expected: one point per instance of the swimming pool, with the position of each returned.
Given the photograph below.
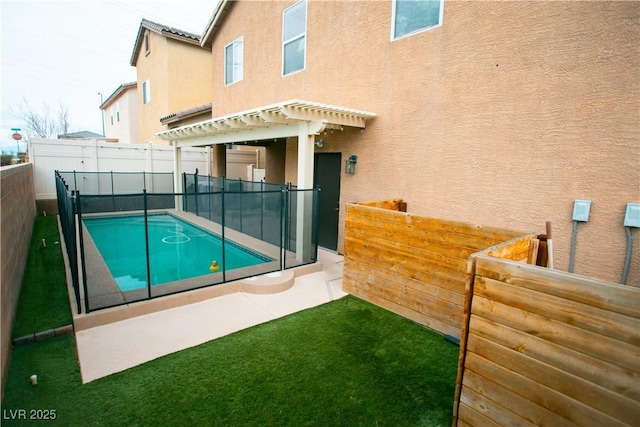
(177, 249)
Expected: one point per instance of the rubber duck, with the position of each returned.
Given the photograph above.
(214, 266)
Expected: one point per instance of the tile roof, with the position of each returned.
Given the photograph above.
(163, 30)
(160, 28)
(173, 117)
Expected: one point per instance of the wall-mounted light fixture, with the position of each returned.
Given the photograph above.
(319, 143)
(350, 164)
(631, 219)
(581, 209)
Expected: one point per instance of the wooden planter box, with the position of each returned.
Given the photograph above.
(417, 267)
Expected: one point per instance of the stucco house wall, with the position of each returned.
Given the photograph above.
(126, 128)
(179, 78)
(502, 116)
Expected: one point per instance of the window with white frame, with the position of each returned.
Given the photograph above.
(294, 40)
(118, 111)
(413, 16)
(146, 92)
(233, 61)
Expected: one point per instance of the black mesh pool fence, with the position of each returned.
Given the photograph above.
(278, 221)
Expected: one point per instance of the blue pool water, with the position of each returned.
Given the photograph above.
(177, 250)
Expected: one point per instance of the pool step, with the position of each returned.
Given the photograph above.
(269, 283)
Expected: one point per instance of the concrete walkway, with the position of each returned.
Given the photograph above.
(107, 349)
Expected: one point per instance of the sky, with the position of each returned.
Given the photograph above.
(72, 51)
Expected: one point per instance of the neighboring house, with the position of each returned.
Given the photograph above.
(173, 75)
(85, 134)
(120, 114)
(495, 113)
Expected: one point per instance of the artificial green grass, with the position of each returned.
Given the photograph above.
(44, 300)
(346, 363)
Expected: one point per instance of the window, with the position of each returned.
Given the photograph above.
(118, 111)
(294, 30)
(146, 43)
(146, 92)
(233, 62)
(412, 16)
(111, 114)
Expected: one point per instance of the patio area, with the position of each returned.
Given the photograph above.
(106, 349)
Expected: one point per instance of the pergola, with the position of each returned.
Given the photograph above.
(293, 118)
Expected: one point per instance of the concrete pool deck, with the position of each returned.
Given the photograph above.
(107, 349)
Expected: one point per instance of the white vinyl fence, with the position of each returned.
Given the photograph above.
(49, 155)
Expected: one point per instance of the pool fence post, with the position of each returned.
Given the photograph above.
(113, 194)
(83, 265)
(195, 189)
(71, 243)
(75, 181)
(224, 267)
(146, 242)
(184, 192)
(262, 209)
(283, 226)
(209, 189)
(241, 195)
(315, 225)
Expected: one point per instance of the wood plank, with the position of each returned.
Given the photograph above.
(588, 317)
(420, 270)
(593, 344)
(492, 410)
(515, 249)
(427, 279)
(514, 379)
(394, 204)
(420, 318)
(605, 374)
(608, 296)
(374, 274)
(361, 251)
(433, 307)
(359, 230)
(397, 246)
(470, 417)
(477, 241)
(497, 234)
(449, 280)
(532, 256)
(513, 402)
(598, 398)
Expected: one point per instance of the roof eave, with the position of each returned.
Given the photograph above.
(122, 88)
(215, 21)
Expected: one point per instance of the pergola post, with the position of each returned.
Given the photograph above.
(306, 133)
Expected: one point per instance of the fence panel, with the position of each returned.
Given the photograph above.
(48, 156)
(415, 266)
(545, 347)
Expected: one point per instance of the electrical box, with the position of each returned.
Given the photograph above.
(581, 210)
(632, 215)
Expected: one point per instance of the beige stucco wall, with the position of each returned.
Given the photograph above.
(503, 116)
(126, 130)
(180, 78)
(18, 212)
